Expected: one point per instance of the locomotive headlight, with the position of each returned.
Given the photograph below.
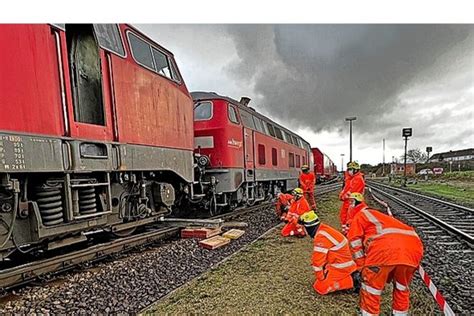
(203, 161)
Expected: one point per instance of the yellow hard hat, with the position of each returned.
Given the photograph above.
(304, 167)
(353, 165)
(309, 219)
(297, 191)
(357, 196)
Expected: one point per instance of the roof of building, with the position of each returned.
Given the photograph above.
(453, 153)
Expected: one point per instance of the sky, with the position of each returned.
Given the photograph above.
(310, 77)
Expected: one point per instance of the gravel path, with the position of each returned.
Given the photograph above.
(129, 284)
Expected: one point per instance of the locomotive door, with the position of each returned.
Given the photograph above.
(88, 116)
(249, 153)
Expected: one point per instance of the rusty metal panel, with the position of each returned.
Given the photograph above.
(25, 153)
(151, 110)
(136, 157)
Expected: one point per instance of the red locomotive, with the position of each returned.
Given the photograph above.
(96, 134)
(324, 168)
(248, 156)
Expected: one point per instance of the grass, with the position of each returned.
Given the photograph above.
(456, 191)
(274, 275)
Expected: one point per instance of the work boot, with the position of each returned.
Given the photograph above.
(357, 280)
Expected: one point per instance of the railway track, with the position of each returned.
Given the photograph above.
(446, 231)
(28, 272)
(457, 219)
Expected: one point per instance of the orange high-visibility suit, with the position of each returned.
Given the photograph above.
(353, 184)
(307, 182)
(292, 228)
(283, 204)
(386, 250)
(352, 211)
(332, 261)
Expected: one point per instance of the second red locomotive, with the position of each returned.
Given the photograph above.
(247, 156)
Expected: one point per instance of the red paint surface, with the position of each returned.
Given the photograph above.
(151, 110)
(323, 165)
(228, 151)
(228, 148)
(30, 99)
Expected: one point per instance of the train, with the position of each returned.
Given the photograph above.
(99, 133)
(324, 168)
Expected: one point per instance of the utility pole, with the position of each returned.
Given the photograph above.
(350, 119)
(383, 163)
(406, 132)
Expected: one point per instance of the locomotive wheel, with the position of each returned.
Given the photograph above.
(125, 232)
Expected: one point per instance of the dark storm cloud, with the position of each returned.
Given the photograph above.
(315, 75)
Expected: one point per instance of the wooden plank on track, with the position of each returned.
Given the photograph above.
(233, 234)
(200, 232)
(214, 242)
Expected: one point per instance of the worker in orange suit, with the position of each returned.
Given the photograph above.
(355, 183)
(283, 203)
(307, 181)
(356, 204)
(298, 207)
(385, 250)
(332, 262)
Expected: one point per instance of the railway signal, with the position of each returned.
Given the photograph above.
(406, 132)
(428, 150)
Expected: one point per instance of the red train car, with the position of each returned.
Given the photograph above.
(246, 154)
(324, 167)
(96, 132)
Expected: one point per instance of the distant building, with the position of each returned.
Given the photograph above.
(397, 169)
(456, 155)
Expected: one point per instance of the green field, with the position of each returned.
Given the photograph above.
(274, 276)
(456, 191)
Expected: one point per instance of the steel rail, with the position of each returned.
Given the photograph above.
(464, 208)
(28, 272)
(425, 214)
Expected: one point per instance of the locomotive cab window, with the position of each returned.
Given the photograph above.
(203, 111)
(232, 114)
(162, 64)
(141, 51)
(109, 38)
(86, 74)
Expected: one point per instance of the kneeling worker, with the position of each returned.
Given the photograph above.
(283, 204)
(332, 262)
(298, 207)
